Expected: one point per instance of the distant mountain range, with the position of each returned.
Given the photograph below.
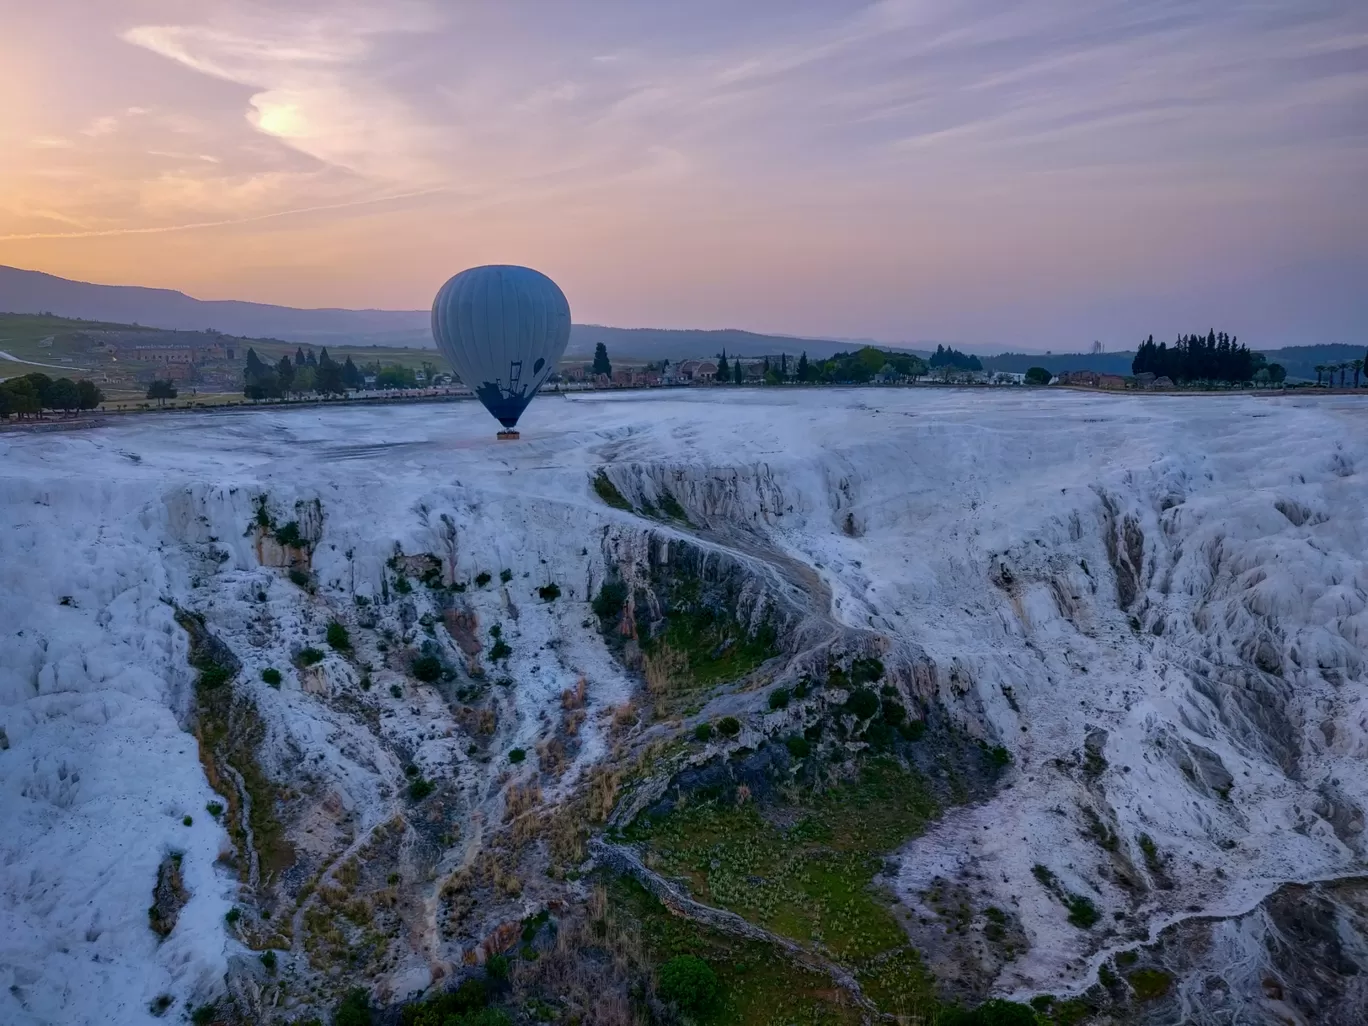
(32, 292)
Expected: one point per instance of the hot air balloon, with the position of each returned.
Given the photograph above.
(503, 328)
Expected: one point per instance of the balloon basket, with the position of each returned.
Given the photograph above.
(508, 436)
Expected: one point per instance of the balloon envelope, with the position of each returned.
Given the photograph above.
(503, 328)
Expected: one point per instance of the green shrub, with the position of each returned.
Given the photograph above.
(427, 668)
(549, 592)
(893, 712)
(609, 601)
(410, 770)
(999, 756)
(500, 650)
(880, 736)
(214, 809)
(482, 578)
(402, 585)
(268, 959)
(496, 966)
(338, 638)
(779, 698)
(420, 789)
(354, 1009)
(704, 731)
(863, 703)
(912, 729)
(204, 1015)
(299, 577)
(232, 915)
(271, 676)
(1082, 912)
(864, 671)
(309, 656)
(729, 726)
(505, 576)
(212, 674)
(288, 534)
(188, 821)
(396, 691)
(517, 755)
(798, 746)
(688, 982)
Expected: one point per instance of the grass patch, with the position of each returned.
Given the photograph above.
(670, 506)
(813, 880)
(1150, 984)
(699, 650)
(755, 984)
(607, 491)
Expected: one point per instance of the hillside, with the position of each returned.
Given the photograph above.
(32, 292)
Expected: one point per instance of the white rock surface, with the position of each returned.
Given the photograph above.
(971, 523)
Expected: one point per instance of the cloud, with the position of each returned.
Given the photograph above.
(315, 90)
(101, 126)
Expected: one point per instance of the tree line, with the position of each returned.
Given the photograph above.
(1215, 357)
(306, 373)
(30, 395)
(858, 367)
(1328, 370)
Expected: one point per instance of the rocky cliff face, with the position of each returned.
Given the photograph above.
(1154, 611)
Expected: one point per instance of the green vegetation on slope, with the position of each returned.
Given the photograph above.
(812, 881)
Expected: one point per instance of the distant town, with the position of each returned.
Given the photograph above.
(63, 367)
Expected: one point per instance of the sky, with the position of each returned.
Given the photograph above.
(986, 172)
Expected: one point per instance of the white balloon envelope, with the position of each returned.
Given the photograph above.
(503, 329)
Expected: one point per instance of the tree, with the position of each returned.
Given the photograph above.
(352, 377)
(689, 982)
(783, 365)
(723, 369)
(1037, 376)
(328, 376)
(90, 395)
(259, 379)
(354, 1009)
(1343, 369)
(601, 364)
(285, 374)
(42, 389)
(20, 398)
(64, 395)
(803, 366)
(310, 359)
(1357, 366)
(162, 391)
(1320, 370)
(299, 360)
(737, 373)
(1277, 373)
(7, 403)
